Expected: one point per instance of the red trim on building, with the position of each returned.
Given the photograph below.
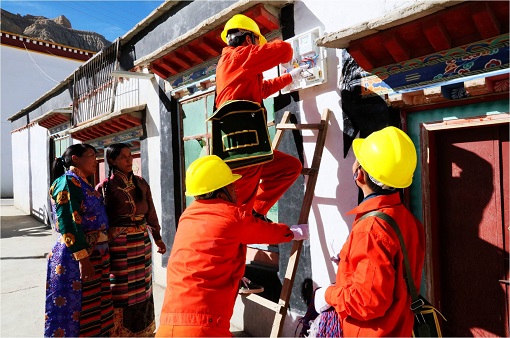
(45, 47)
(105, 128)
(208, 46)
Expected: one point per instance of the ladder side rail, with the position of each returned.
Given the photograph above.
(303, 218)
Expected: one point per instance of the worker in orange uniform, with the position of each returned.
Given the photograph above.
(239, 77)
(370, 294)
(209, 252)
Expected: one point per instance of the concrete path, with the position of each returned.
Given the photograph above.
(24, 244)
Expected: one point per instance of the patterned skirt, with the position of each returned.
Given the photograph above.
(131, 282)
(75, 308)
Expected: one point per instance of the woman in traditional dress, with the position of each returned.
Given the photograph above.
(132, 216)
(78, 296)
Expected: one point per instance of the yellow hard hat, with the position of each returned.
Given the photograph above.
(208, 174)
(388, 155)
(240, 21)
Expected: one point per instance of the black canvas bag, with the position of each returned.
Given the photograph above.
(426, 317)
(239, 134)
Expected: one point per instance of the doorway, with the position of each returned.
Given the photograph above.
(466, 193)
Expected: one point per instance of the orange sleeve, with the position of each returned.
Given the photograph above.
(365, 278)
(273, 85)
(255, 231)
(258, 59)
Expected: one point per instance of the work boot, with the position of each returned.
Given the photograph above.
(247, 287)
(260, 216)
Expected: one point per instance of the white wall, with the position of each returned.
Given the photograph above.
(25, 77)
(31, 170)
(335, 193)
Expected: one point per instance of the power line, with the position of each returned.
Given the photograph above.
(114, 14)
(92, 16)
(123, 10)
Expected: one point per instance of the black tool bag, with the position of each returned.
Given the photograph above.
(239, 134)
(426, 317)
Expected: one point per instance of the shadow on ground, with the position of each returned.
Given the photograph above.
(17, 226)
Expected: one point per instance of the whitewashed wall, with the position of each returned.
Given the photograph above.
(26, 76)
(31, 171)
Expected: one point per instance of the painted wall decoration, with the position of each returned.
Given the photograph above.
(134, 134)
(472, 59)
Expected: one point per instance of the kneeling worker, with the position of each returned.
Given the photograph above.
(209, 253)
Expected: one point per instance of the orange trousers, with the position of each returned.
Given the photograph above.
(262, 185)
(192, 331)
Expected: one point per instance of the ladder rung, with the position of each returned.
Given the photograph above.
(265, 302)
(299, 126)
(309, 171)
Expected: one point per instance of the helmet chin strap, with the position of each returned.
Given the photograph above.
(225, 191)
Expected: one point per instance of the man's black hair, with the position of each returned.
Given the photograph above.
(374, 187)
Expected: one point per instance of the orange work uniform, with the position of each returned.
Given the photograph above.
(239, 77)
(206, 264)
(370, 293)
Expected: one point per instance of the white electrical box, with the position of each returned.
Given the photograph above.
(306, 52)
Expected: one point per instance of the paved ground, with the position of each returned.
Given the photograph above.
(24, 244)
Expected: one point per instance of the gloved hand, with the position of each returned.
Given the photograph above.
(319, 301)
(335, 259)
(300, 231)
(296, 72)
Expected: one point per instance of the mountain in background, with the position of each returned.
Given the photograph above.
(58, 30)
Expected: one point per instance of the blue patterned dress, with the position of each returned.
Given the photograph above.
(75, 307)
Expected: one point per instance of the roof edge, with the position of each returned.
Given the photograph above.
(422, 8)
(211, 23)
(155, 14)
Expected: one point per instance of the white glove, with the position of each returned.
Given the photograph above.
(300, 231)
(319, 301)
(296, 72)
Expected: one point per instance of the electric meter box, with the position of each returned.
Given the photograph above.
(306, 52)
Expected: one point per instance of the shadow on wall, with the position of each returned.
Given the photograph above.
(361, 114)
(473, 300)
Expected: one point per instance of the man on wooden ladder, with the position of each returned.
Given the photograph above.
(239, 77)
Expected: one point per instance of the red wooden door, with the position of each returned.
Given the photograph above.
(472, 224)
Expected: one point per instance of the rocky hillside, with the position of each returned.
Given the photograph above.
(58, 30)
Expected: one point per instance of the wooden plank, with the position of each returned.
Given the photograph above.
(301, 126)
(309, 171)
(264, 302)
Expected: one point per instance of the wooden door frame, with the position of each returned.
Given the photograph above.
(429, 191)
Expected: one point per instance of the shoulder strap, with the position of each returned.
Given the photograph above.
(415, 299)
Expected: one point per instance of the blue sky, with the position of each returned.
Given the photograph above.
(109, 18)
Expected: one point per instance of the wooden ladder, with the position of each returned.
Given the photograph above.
(281, 307)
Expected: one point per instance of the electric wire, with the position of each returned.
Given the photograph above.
(95, 17)
(40, 69)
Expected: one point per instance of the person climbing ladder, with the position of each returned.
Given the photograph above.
(239, 77)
